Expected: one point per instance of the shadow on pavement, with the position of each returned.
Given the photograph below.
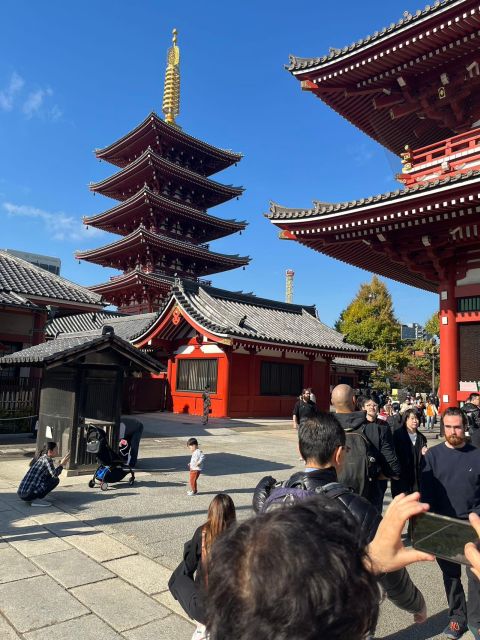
(429, 629)
(216, 464)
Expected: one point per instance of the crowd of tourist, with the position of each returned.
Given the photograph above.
(315, 543)
(321, 538)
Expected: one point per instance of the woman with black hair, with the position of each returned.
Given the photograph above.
(42, 477)
(189, 581)
(410, 447)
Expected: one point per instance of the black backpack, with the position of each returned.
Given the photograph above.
(360, 465)
(281, 496)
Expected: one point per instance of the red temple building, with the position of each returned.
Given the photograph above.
(415, 88)
(164, 190)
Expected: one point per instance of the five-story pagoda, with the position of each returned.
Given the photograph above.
(164, 191)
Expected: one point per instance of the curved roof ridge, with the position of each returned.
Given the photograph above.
(177, 167)
(145, 191)
(142, 231)
(187, 137)
(419, 187)
(297, 63)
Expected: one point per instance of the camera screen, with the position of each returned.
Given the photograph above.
(443, 537)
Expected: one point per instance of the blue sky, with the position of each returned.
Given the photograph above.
(77, 76)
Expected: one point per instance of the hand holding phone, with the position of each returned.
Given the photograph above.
(444, 537)
(472, 552)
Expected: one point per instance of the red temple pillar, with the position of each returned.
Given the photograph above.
(323, 397)
(448, 346)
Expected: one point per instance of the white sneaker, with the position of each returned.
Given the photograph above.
(40, 503)
(191, 493)
(200, 632)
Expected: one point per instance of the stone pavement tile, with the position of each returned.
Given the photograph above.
(72, 568)
(70, 527)
(6, 631)
(13, 566)
(37, 602)
(119, 604)
(146, 574)
(100, 547)
(167, 600)
(87, 628)
(36, 543)
(166, 629)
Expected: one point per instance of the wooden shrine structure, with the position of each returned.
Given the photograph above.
(414, 87)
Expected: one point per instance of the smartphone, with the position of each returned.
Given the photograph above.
(442, 536)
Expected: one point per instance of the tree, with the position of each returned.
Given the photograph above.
(432, 325)
(369, 319)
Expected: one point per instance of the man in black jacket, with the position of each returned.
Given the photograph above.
(343, 399)
(472, 409)
(322, 446)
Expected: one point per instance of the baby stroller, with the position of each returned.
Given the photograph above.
(112, 467)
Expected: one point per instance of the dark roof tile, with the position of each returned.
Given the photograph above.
(19, 276)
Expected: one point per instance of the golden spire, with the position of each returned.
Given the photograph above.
(171, 91)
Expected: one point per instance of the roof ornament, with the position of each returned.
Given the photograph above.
(171, 90)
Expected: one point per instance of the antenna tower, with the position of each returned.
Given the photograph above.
(289, 273)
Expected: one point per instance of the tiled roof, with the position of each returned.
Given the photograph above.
(79, 322)
(356, 363)
(278, 212)
(127, 327)
(174, 132)
(299, 64)
(19, 276)
(246, 316)
(142, 239)
(15, 300)
(70, 347)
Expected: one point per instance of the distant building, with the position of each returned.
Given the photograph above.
(49, 263)
(413, 331)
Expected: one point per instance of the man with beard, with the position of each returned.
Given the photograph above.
(449, 482)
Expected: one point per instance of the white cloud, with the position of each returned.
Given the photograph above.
(9, 93)
(35, 100)
(31, 101)
(59, 225)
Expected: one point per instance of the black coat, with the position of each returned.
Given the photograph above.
(398, 585)
(410, 458)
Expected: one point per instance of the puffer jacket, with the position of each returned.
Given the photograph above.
(398, 585)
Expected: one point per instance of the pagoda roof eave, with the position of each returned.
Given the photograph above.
(133, 278)
(299, 65)
(149, 156)
(145, 237)
(322, 212)
(146, 195)
(225, 156)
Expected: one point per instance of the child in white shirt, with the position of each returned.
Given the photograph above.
(195, 465)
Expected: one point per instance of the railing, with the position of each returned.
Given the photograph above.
(19, 399)
(468, 141)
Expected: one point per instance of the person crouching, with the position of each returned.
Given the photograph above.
(42, 477)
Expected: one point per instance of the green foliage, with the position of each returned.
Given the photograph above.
(369, 319)
(432, 325)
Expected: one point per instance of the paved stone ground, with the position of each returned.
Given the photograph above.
(96, 564)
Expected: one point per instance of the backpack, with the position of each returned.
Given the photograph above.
(360, 466)
(282, 496)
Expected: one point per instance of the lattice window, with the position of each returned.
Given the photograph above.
(194, 374)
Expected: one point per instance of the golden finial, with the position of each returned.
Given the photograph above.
(171, 91)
